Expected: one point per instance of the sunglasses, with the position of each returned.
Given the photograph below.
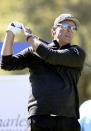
(65, 26)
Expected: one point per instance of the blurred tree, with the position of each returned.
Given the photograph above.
(10, 11)
(40, 14)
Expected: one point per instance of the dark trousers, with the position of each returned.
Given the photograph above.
(53, 123)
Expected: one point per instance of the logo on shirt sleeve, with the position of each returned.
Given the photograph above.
(75, 50)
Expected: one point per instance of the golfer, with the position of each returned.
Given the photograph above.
(54, 69)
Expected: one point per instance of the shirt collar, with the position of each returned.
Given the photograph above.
(63, 47)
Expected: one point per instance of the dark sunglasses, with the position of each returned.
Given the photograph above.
(65, 26)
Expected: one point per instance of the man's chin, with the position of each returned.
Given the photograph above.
(67, 41)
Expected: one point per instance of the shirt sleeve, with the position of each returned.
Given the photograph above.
(18, 61)
(72, 57)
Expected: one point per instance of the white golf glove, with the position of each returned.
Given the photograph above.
(15, 27)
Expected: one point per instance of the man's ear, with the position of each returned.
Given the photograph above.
(53, 30)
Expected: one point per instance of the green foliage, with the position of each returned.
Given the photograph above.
(41, 15)
(10, 10)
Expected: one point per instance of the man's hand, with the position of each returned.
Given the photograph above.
(32, 39)
(14, 27)
(26, 31)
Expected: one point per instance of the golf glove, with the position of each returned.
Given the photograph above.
(15, 27)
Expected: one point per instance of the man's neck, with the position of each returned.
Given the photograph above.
(61, 43)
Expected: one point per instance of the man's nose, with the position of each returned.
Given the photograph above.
(69, 29)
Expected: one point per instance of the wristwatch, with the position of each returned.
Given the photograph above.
(31, 35)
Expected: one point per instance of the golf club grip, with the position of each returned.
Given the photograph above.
(43, 41)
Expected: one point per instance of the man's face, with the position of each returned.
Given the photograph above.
(63, 32)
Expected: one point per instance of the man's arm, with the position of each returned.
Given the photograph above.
(8, 44)
(72, 57)
(8, 60)
(12, 29)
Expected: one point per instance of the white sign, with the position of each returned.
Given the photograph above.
(14, 91)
